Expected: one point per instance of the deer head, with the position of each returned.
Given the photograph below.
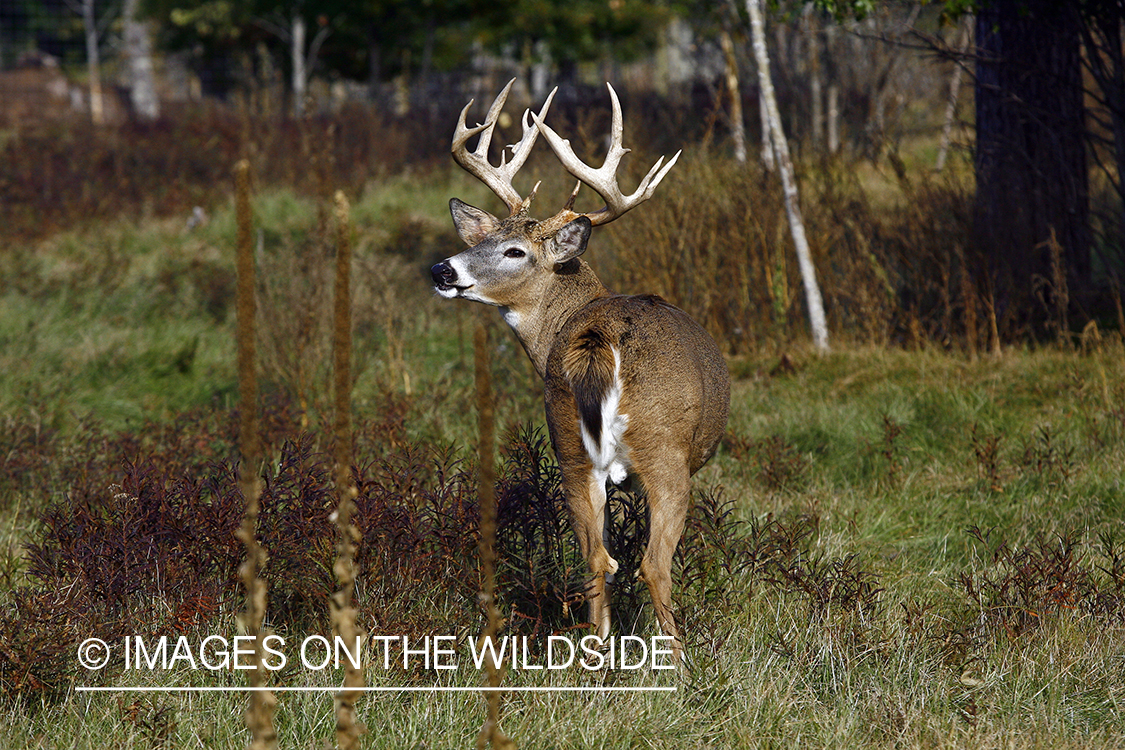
(507, 257)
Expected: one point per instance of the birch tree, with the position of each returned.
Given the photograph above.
(966, 33)
(737, 127)
(726, 43)
(87, 10)
(303, 55)
(138, 51)
(817, 321)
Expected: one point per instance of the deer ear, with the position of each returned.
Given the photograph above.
(472, 223)
(570, 241)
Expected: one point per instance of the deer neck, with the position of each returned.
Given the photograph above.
(538, 321)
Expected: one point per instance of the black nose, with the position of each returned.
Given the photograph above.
(443, 274)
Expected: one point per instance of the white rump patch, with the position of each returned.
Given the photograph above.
(609, 455)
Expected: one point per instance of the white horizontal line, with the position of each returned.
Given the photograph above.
(402, 689)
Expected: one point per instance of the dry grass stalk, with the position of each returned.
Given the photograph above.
(259, 714)
(490, 733)
(1060, 288)
(969, 300)
(247, 310)
(343, 612)
(993, 327)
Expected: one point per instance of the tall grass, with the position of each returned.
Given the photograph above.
(717, 244)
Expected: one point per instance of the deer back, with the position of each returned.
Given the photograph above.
(634, 373)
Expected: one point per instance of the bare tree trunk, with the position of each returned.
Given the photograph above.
(817, 321)
(1031, 163)
(816, 83)
(815, 93)
(93, 62)
(833, 114)
(297, 33)
(833, 118)
(138, 50)
(737, 128)
(1105, 59)
(540, 70)
(768, 160)
(954, 92)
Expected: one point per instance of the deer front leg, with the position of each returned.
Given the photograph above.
(586, 498)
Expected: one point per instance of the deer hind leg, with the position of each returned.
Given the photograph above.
(669, 493)
(586, 497)
(591, 367)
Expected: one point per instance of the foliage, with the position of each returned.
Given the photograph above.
(574, 32)
(1020, 589)
(183, 161)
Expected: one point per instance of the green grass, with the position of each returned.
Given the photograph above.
(885, 450)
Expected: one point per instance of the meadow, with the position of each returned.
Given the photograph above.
(913, 541)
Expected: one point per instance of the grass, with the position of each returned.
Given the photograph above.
(892, 548)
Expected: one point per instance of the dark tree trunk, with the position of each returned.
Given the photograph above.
(1031, 164)
(1105, 59)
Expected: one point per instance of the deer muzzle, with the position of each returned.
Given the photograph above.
(444, 276)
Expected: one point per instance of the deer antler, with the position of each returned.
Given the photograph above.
(498, 179)
(603, 180)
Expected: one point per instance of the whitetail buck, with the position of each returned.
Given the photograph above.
(633, 385)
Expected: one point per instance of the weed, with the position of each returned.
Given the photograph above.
(1047, 460)
(889, 448)
(986, 450)
(1024, 586)
(778, 465)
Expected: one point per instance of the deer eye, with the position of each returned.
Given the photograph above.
(514, 252)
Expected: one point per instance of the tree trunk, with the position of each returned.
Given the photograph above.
(768, 161)
(817, 321)
(833, 118)
(1105, 59)
(142, 78)
(93, 62)
(833, 113)
(737, 128)
(297, 52)
(1031, 161)
(954, 92)
(540, 70)
(816, 84)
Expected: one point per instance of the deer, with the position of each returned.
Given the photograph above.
(633, 386)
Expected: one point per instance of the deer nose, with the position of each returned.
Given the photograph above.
(443, 274)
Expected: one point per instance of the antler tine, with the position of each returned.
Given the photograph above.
(498, 179)
(521, 150)
(604, 179)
